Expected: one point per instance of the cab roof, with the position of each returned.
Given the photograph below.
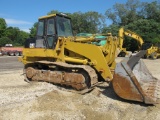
(52, 15)
(47, 16)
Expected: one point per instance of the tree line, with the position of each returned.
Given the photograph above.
(142, 18)
(11, 35)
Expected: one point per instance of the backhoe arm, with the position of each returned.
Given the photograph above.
(131, 34)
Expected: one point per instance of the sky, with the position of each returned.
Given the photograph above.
(24, 13)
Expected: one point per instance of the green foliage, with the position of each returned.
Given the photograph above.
(78, 19)
(151, 11)
(123, 14)
(113, 28)
(156, 39)
(11, 35)
(20, 38)
(3, 26)
(147, 29)
(5, 40)
(94, 21)
(91, 22)
(33, 30)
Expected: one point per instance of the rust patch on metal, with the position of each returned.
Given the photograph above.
(129, 90)
(74, 78)
(30, 72)
(135, 83)
(125, 89)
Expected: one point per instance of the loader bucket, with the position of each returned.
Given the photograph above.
(133, 81)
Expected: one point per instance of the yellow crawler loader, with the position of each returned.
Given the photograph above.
(58, 57)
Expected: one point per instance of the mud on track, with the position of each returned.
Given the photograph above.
(44, 101)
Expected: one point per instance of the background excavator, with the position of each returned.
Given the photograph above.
(121, 34)
(153, 52)
(58, 57)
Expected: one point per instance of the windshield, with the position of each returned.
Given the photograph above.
(64, 26)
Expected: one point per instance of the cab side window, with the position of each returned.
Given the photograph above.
(51, 27)
(51, 33)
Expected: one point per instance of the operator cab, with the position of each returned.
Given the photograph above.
(49, 28)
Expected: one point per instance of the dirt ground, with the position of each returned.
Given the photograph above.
(44, 101)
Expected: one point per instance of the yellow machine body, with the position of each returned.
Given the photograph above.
(153, 52)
